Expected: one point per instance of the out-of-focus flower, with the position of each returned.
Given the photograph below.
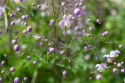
(65, 21)
(109, 58)
(103, 50)
(37, 36)
(114, 53)
(87, 57)
(18, 1)
(101, 67)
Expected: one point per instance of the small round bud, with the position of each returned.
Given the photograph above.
(98, 76)
(34, 4)
(62, 52)
(120, 46)
(88, 20)
(115, 70)
(25, 78)
(123, 70)
(14, 41)
(18, 10)
(77, 11)
(12, 23)
(39, 6)
(91, 29)
(16, 80)
(12, 69)
(0, 79)
(28, 57)
(99, 21)
(64, 73)
(63, 4)
(2, 71)
(89, 46)
(51, 50)
(25, 23)
(119, 64)
(22, 53)
(29, 28)
(16, 47)
(3, 62)
(11, 15)
(23, 17)
(88, 35)
(49, 44)
(25, 31)
(34, 62)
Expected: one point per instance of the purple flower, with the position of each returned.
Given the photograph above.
(64, 73)
(98, 76)
(101, 67)
(114, 53)
(109, 58)
(65, 21)
(115, 70)
(16, 80)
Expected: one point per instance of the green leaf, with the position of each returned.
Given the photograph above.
(61, 65)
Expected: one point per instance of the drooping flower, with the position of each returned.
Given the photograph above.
(101, 67)
(109, 58)
(65, 21)
(114, 53)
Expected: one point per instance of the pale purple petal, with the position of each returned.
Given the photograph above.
(117, 51)
(61, 23)
(64, 17)
(68, 17)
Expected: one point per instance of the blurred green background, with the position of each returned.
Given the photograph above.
(111, 13)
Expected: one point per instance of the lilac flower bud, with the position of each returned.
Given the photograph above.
(103, 34)
(0, 31)
(23, 17)
(22, 53)
(77, 11)
(85, 47)
(90, 78)
(14, 41)
(122, 62)
(16, 37)
(88, 35)
(91, 29)
(98, 76)
(11, 15)
(25, 31)
(25, 78)
(99, 21)
(115, 63)
(115, 70)
(76, 5)
(12, 23)
(49, 44)
(46, 3)
(70, 60)
(62, 52)
(27, 16)
(41, 43)
(84, 31)
(63, 4)
(18, 10)
(51, 50)
(73, 18)
(80, 4)
(89, 46)
(64, 73)
(5, 55)
(28, 57)
(12, 69)
(25, 23)
(29, 28)
(34, 62)
(34, 4)
(16, 80)
(96, 53)
(123, 70)
(0, 79)
(3, 62)
(120, 46)
(88, 20)
(2, 71)
(119, 64)
(106, 32)
(39, 6)
(16, 47)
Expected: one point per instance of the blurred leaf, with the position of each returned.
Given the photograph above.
(6, 19)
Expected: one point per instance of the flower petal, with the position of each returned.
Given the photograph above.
(61, 23)
(68, 17)
(64, 17)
